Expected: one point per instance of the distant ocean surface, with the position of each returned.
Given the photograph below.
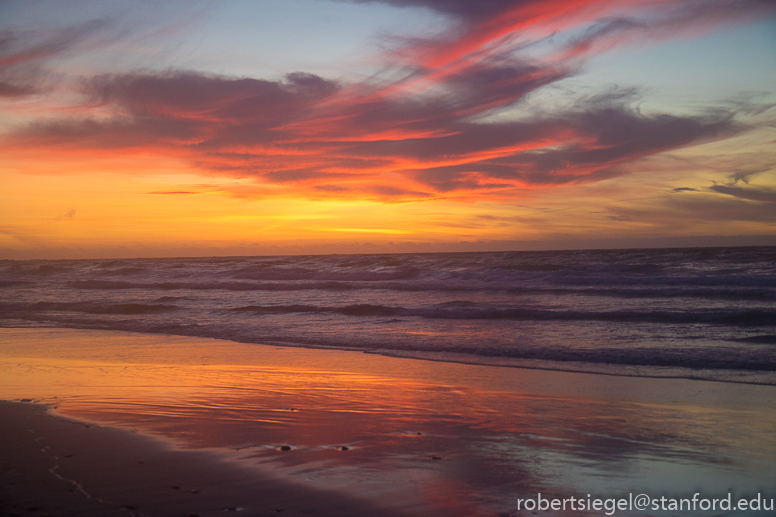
(705, 313)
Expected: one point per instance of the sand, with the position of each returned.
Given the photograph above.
(55, 466)
(186, 426)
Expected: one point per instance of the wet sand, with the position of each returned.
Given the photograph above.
(221, 426)
(55, 466)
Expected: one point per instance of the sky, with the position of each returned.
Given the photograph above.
(183, 128)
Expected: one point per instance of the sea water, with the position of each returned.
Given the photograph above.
(706, 313)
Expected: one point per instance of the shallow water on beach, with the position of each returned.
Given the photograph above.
(705, 313)
(427, 438)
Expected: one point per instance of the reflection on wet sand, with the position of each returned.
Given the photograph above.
(437, 438)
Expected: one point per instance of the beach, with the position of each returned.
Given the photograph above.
(388, 258)
(56, 466)
(260, 429)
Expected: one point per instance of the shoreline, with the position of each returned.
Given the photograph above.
(399, 435)
(420, 357)
(534, 380)
(766, 378)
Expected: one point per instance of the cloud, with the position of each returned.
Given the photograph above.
(618, 213)
(761, 194)
(746, 176)
(426, 129)
(719, 209)
(174, 192)
(22, 53)
(684, 189)
(459, 8)
(656, 22)
(751, 194)
(8, 89)
(489, 26)
(33, 45)
(307, 131)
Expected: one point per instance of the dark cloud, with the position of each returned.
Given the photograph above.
(8, 89)
(468, 9)
(187, 110)
(191, 96)
(684, 189)
(746, 176)
(751, 194)
(603, 138)
(621, 133)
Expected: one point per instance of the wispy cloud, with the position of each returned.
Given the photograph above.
(753, 194)
(426, 129)
(174, 192)
(23, 52)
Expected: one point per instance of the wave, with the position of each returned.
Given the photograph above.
(348, 310)
(564, 358)
(14, 283)
(751, 317)
(745, 293)
(210, 286)
(124, 271)
(86, 307)
(681, 358)
(754, 294)
(765, 339)
(171, 299)
(35, 270)
(296, 273)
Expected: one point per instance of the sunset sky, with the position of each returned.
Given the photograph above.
(143, 129)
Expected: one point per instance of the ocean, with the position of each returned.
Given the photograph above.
(696, 313)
